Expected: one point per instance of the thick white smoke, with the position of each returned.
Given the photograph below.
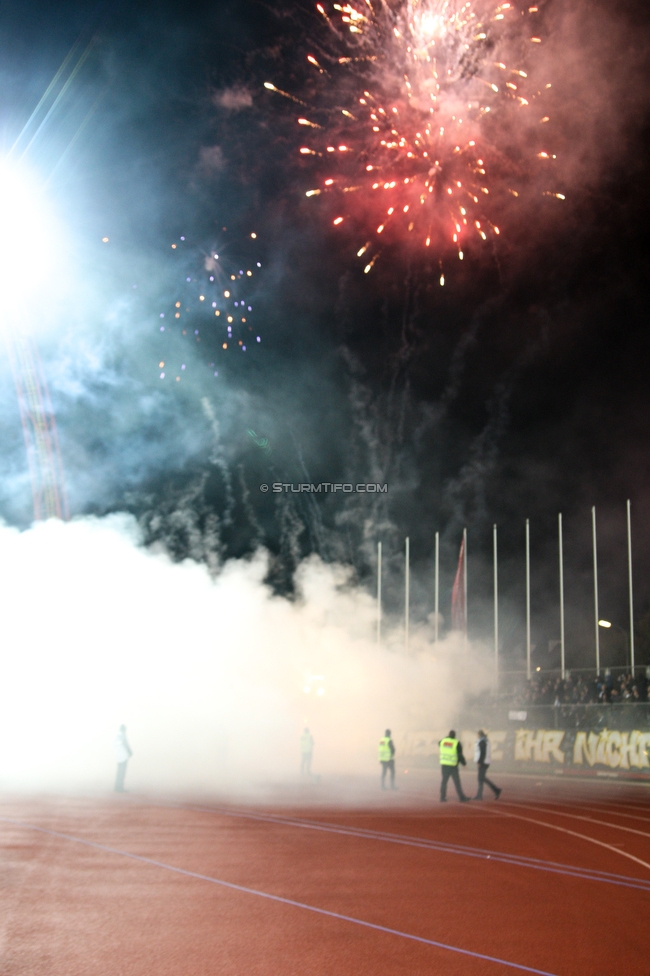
(210, 676)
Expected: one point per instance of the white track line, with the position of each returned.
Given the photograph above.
(613, 813)
(617, 804)
(572, 833)
(516, 860)
(576, 816)
(277, 898)
(595, 783)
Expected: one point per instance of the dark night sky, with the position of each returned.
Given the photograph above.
(517, 391)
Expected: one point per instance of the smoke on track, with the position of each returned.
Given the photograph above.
(209, 674)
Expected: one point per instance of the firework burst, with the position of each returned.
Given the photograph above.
(421, 117)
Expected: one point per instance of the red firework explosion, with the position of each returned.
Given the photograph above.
(423, 118)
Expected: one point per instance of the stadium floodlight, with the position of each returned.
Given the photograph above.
(605, 623)
(30, 250)
(32, 278)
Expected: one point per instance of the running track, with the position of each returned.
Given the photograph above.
(552, 879)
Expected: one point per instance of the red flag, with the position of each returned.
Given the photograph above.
(458, 608)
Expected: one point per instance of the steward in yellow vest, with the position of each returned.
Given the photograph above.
(387, 759)
(451, 754)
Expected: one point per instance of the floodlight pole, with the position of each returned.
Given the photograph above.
(596, 613)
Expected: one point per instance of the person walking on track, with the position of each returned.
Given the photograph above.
(451, 754)
(387, 760)
(483, 756)
(122, 753)
(306, 750)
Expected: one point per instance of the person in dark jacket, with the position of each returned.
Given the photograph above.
(483, 756)
(451, 754)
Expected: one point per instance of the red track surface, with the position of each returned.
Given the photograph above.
(565, 889)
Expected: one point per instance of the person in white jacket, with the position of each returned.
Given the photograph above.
(483, 757)
(306, 752)
(122, 753)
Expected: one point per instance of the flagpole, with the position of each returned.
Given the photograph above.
(561, 554)
(436, 599)
(629, 579)
(379, 594)
(528, 598)
(406, 595)
(465, 582)
(596, 614)
(496, 606)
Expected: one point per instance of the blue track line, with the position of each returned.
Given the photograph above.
(519, 860)
(278, 898)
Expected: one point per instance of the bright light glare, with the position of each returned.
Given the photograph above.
(431, 25)
(604, 623)
(31, 266)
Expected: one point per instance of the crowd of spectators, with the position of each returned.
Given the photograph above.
(576, 689)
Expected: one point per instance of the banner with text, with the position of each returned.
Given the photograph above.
(606, 752)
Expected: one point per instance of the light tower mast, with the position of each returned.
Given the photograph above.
(39, 429)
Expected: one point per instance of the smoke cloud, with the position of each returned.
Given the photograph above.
(234, 98)
(213, 677)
